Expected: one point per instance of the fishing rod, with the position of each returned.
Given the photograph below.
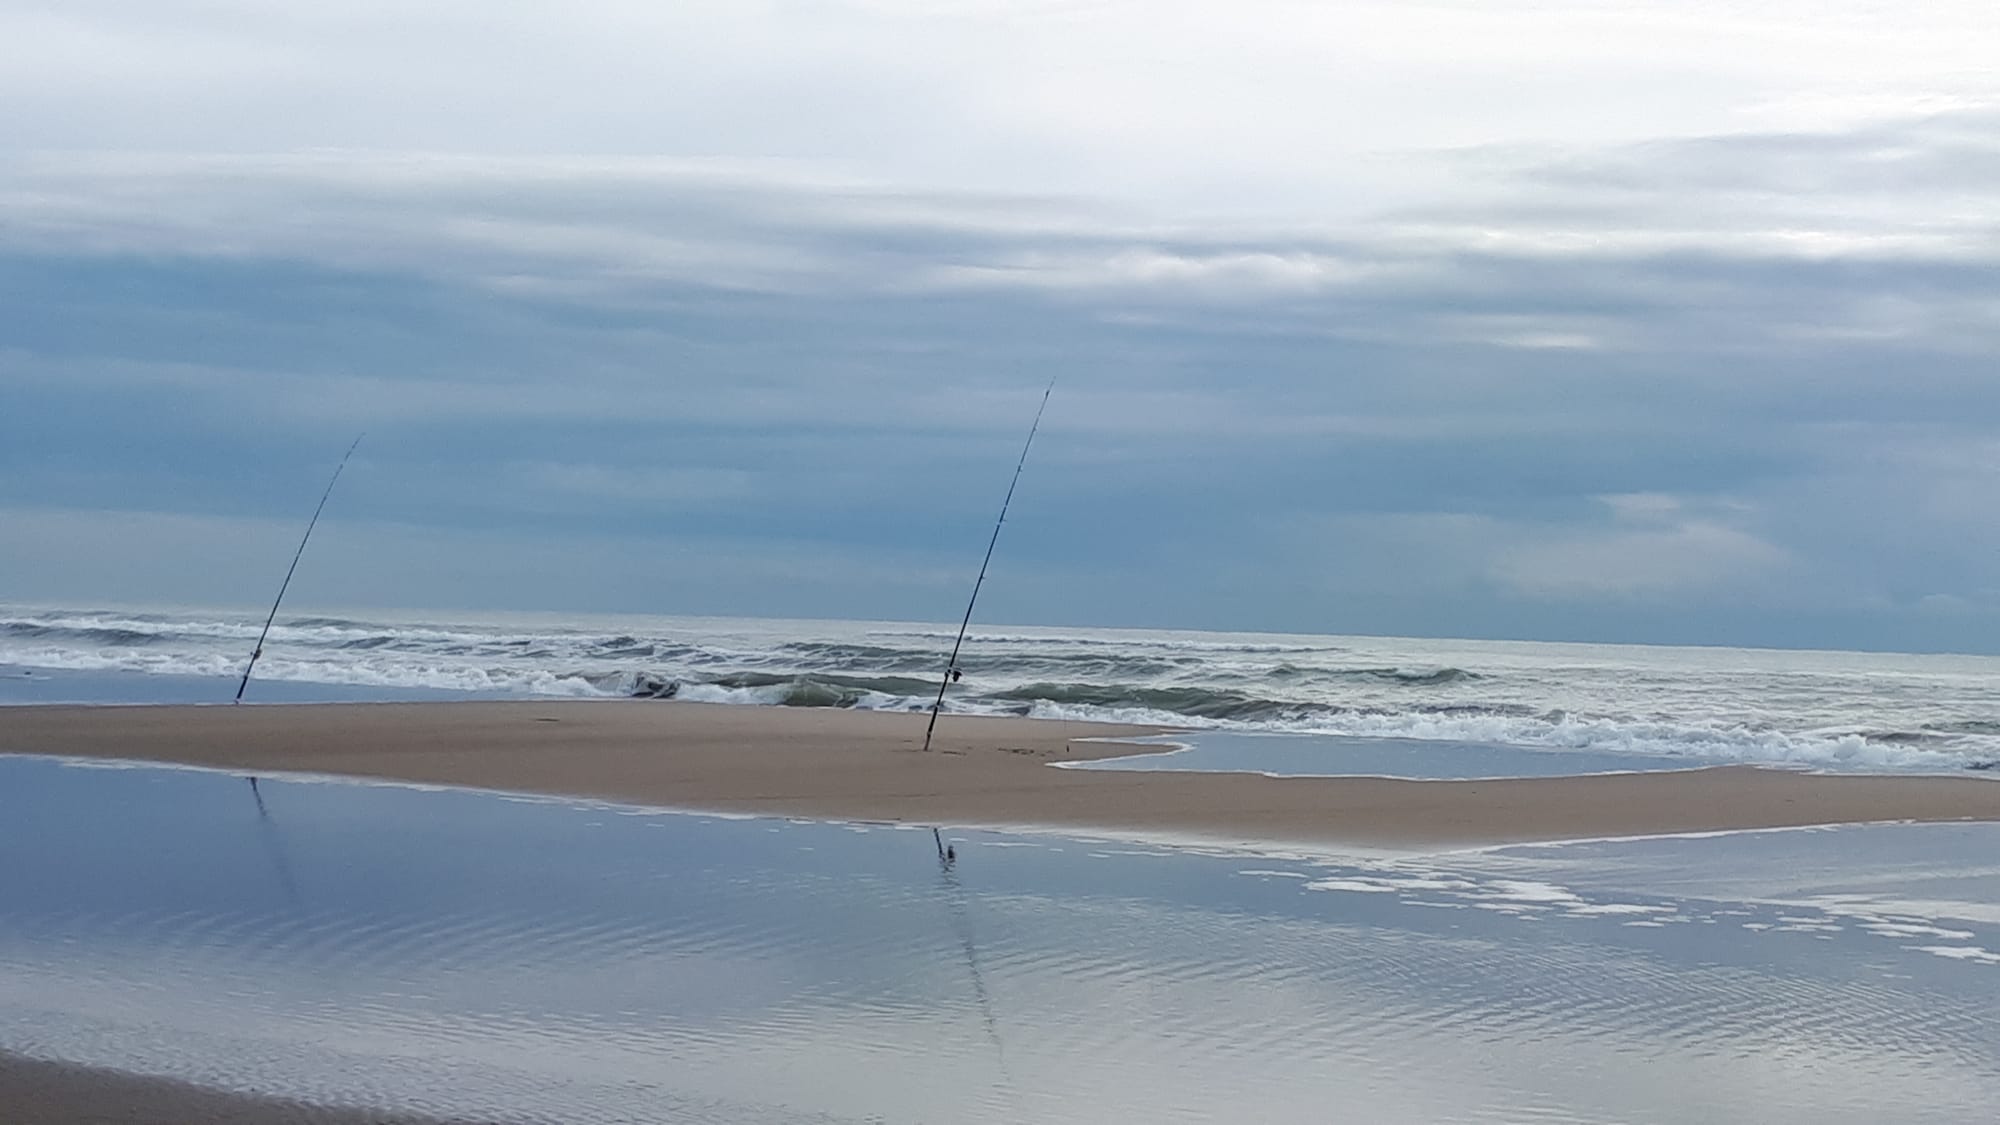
(951, 665)
(286, 584)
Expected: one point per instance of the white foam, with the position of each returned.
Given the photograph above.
(1611, 908)
(1518, 890)
(1915, 929)
(1960, 953)
(1359, 886)
(1808, 710)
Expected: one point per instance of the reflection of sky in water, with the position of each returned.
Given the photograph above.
(483, 955)
(1309, 755)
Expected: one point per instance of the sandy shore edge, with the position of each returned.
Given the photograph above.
(982, 772)
(53, 1093)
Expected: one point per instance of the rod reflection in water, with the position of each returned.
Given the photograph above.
(267, 831)
(958, 909)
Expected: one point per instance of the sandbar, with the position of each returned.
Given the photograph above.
(982, 771)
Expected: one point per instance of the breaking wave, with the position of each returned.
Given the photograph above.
(1842, 711)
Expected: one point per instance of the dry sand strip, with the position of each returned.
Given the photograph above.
(983, 771)
(49, 1093)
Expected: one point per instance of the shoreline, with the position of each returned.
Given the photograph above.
(983, 771)
(47, 1092)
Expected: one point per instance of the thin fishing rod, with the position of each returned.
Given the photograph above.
(951, 665)
(287, 583)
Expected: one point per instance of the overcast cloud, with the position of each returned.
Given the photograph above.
(1590, 320)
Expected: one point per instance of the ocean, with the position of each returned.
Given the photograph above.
(1842, 711)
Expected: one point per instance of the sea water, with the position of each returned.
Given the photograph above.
(1643, 706)
(1429, 759)
(500, 958)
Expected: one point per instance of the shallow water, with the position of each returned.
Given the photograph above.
(21, 685)
(1306, 755)
(481, 955)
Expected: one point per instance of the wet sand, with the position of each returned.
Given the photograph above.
(49, 1093)
(982, 771)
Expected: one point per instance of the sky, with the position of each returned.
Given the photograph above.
(1603, 320)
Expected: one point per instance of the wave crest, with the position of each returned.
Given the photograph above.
(1796, 709)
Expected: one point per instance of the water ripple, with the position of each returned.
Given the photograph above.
(758, 972)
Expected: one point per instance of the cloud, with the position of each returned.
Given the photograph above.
(1658, 545)
(570, 482)
(1654, 547)
(1427, 317)
(136, 557)
(1893, 189)
(1695, 556)
(1625, 248)
(1270, 106)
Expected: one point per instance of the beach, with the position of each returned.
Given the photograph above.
(747, 913)
(982, 771)
(33, 1090)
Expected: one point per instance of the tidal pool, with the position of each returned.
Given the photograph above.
(485, 956)
(1327, 755)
